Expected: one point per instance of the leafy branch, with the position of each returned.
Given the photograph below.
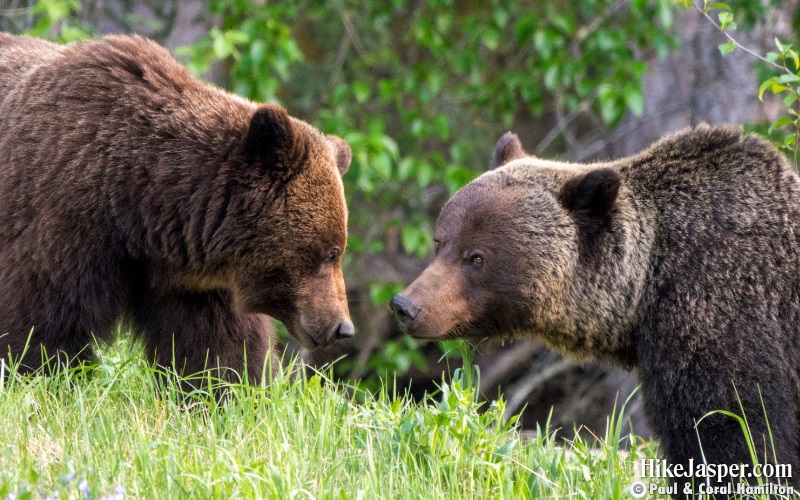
(785, 82)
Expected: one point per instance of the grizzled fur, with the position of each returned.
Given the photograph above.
(131, 191)
(682, 261)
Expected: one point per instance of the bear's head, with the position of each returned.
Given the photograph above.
(290, 230)
(529, 248)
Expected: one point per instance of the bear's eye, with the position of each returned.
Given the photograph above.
(333, 253)
(477, 260)
(438, 245)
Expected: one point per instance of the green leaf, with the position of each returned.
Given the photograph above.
(790, 78)
(543, 44)
(389, 145)
(458, 177)
(418, 127)
(237, 37)
(501, 17)
(665, 13)
(491, 38)
(551, 77)
(609, 111)
(782, 122)
(415, 240)
(442, 126)
(525, 27)
(444, 22)
(73, 33)
(727, 47)
(764, 86)
(795, 59)
(404, 168)
(424, 176)
(718, 5)
(634, 100)
(777, 88)
(382, 293)
(387, 89)
(361, 91)
(219, 44)
(564, 24)
(258, 52)
(725, 19)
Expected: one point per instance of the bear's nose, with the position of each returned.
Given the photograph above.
(345, 330)
(404, 309)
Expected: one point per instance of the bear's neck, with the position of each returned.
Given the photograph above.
(179, 174)
(604, 303)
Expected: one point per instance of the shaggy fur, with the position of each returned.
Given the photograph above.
(682, 261)
(131, 191)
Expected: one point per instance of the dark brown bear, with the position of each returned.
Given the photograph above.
(130, 191)
(682, 261)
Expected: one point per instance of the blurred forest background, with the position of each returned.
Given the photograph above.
(422, 90)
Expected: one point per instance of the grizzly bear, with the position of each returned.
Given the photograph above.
(131, 193)
(682, 261)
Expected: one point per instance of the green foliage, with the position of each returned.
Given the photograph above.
(56, 19)
(395, 357)
(780, 70)
(254, 41)
(786, 84)
(119, 428)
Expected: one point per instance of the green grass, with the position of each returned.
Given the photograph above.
(118, 428)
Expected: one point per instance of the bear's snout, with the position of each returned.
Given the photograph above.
(404, 310)
(343, 330)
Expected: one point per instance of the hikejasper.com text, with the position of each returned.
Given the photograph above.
(653, 468)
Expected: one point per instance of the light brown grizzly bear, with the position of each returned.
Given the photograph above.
(130, 191)
(682, 261)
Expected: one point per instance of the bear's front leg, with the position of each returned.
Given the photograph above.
(49, 328)
(685, 387)
(195, 331)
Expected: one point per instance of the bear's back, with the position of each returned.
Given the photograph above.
(19, 56)
(699, 165)
(718, 184)
(96, 119)
(36, 72)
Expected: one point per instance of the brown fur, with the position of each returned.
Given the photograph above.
(682, 261)
(131, 191)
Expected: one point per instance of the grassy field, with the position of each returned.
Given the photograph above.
(118, 429)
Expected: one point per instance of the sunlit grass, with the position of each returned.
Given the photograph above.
(118, 428)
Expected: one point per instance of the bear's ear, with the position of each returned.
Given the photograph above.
(508, 148)
(590, 198)
(270, 137)
(342, 153)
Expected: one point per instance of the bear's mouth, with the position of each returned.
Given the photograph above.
(420, 331)
(305, 340)
(308, 337)
(421, 336)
